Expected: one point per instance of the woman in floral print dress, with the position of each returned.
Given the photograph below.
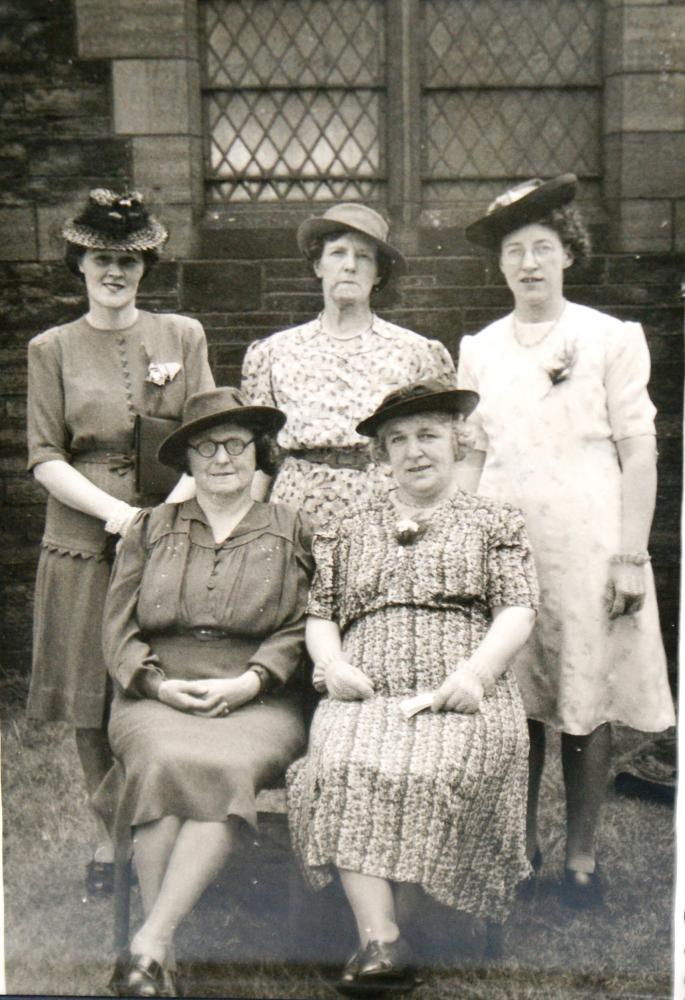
(422, 590)
(565, 430)
(328, 373)
(87, 381)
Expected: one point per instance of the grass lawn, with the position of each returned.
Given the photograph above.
(240, 941)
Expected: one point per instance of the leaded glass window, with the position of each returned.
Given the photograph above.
(293, 99)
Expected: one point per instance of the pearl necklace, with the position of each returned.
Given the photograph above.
(548, 328)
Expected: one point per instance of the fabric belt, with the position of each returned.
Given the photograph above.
(336, 458)
(116, 461)
(204, 633)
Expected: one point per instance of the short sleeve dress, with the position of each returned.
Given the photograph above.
(182, 604)
(438, 799)
(85, 388)
(325, 392)
(549, 417)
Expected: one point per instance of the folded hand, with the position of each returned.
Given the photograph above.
(212, 697)
(346, 682)
(625, 590)
(460, 692)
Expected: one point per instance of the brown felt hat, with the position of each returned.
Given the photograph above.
(519, 206)
(212, 407)
(419, 397)
(354, 218)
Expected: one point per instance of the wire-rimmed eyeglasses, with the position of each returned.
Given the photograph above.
(232, 446)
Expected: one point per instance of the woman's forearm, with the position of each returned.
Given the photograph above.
(70, 487)
(638, 492)
(323, 639)
(508, 632)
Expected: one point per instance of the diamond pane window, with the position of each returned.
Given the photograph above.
(512, 89)
(293, 99)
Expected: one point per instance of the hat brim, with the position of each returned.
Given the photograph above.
(264, 419)
(462, 401)
(316, 228)
(149, 237)
(490, 230)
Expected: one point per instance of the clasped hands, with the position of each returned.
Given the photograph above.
(461, 691)
(625, 589)
(212, 697)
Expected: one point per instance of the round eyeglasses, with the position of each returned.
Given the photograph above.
(232, 446)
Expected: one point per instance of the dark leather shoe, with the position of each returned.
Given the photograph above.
(582, 890)
(140, 975)
(347, 983)
(387, 965)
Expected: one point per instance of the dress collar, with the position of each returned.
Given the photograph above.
(378, 328)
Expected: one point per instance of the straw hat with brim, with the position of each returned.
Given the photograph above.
(207, 409)
(353, 218)
(419, 397)
(112, 221)
(519, 206)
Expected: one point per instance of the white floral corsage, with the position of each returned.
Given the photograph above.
(408, 530)
(561, 365)
(160, 374)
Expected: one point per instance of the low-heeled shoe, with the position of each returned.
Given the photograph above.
(347, 982)
(582, 890)
(387, 965)
(141, 976)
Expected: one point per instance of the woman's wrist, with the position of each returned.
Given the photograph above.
(120, 517)
(630, 558)
(483, 673)
(262, 677)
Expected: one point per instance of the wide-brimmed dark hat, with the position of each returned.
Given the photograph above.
(112, 221)
(519, 206)
(212, 407)
(354, 218)
(419, 397)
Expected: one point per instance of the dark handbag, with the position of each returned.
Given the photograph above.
(152, 478)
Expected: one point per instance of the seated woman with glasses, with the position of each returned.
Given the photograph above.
(203, 634)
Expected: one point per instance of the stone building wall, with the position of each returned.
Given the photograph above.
(69, 123)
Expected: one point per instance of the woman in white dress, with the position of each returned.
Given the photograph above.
(565, 431)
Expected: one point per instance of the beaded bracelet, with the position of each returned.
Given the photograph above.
(632, 559)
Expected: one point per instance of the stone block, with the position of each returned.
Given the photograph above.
(91, 158)
(642, 226)
(228, 286)
(645, 269)
(156, 97)
(180, 222)
(644, 165)
(130, 29)
(643, 38)
(645, 102)
(18, 234)
(51, 218)
(169, 168)
(63, 101)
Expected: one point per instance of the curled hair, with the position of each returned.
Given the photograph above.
(461, 436)
(73, 254)
(314, 251)
(568, 224)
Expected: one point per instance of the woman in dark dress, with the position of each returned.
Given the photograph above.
(204, 628)
(88, 380)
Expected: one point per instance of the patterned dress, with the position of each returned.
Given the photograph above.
(551, 450)
(438, 799)
(85, 388)
(325, 390)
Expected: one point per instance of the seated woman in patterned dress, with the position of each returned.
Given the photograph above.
(204, 629)
(425, 590)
